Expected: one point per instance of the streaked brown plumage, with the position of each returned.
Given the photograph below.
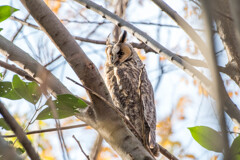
(130, 88)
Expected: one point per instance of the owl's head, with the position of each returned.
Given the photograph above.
(118, 52)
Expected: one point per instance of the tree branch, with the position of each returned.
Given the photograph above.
(96, 147)
(16, 70)
(81, 147)
(183, 24)
(19, 132)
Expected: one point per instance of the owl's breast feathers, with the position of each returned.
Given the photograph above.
(134, 98)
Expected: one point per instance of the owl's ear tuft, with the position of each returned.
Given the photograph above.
(108, 41)
(122, 37)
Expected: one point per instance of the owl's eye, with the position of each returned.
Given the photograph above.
(120, 54)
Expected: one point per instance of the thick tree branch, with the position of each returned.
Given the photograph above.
(235, 10)
(226, 30)
(19, 132)
(230, 108)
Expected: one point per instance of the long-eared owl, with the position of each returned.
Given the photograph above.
(130, 88)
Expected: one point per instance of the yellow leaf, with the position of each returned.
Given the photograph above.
(195, 82)
(236, 93)
(182, 102)
(88, 127)
(190, 156)
(162, 58)
(54, 5)
(230, 94)
(141, 56)
(214, 158)
(201, 90)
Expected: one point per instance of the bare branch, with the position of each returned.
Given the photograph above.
(96, 147)
(25, 23)
(20, 29)
(19, 132)
(235, 10)
(81, 147)
(183, 24)
(143, 23)
(16, 70)
(48, 130)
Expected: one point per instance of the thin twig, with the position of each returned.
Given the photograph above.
(58, 125)
(135, 45)
(143, 23)
(81, 147)
(19, 132)
(96, 147)
(25, 23)
(59, 56)
(48, 130)
(20, 29)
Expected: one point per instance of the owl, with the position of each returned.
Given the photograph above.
(130, 88)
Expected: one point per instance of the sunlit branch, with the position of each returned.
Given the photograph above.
(17, 70)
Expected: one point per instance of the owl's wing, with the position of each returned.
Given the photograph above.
(147, 97)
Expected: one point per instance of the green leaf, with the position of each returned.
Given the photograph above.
(235, 149)
(20, 150)
(1, 29)
(6, 11)
(27, 90)
(66, 106)
(207, 138)
(71, 101)
(7, 91)
(34, 91)
(4, 125)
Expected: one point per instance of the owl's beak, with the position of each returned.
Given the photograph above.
(114, 58)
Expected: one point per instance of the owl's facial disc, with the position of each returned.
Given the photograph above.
(120, 51)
